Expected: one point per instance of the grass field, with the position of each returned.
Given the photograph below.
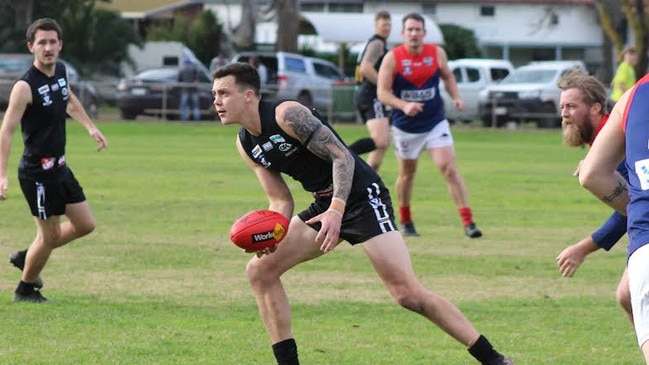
(159, 282)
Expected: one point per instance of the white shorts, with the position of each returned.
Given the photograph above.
(639, 288)
(408, 146)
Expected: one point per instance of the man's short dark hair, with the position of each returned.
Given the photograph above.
(46, 24)
(383, 14)
(414, 16)
(244, 75)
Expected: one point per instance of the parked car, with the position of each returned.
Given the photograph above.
(14, 65)
(306, 79)
(156, 92)
(531, 93)
(473, 75)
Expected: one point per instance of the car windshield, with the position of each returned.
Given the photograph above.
(530, 76)
(170, 74)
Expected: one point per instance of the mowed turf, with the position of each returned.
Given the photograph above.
(159, 282)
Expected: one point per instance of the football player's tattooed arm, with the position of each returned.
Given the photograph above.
(301, 124)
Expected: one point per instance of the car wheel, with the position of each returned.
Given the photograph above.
(305, 98)
(127, 115)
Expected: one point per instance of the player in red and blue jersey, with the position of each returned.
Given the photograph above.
(584, 113)
(625, 137)
(408, 81)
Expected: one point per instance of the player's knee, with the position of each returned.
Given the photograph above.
(623, 297)
(408, 299)
(85, 227)
(257, 273)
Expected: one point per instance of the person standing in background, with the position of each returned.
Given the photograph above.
(408, 81)
(189, 77)
(255, 62)
(368, 106)
(625, 76)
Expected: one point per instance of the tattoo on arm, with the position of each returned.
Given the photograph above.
(617, 191)
(374, 52)
(322, 142)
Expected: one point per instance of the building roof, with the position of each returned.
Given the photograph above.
(146, 8)
(358, 27)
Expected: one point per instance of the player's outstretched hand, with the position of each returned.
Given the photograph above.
(99, 137)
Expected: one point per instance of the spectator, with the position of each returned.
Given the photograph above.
(189, 77)
(625, 76)
(261, 68)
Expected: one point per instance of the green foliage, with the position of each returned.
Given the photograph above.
(460, 42)
(158, 282)
(202, 35)
(94, 40)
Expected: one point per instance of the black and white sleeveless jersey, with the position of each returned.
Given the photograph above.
(277, 151)
(43, 125)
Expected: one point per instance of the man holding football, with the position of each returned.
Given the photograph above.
(350, 203)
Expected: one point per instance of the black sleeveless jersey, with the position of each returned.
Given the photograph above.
(366, 85)
(43, 125)
(277, 151)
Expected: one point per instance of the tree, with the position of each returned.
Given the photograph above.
(287, 25)
(459, 42)
(616, 15)
(202, 35)
(94, 40)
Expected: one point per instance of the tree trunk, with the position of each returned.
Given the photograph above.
(287, 25)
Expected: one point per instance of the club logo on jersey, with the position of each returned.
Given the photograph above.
(418, 95)
(44, 89)
(64, 92)
(276, 138)
(407, 67)
(428, 61)
(256, 151)
(47, 163)
(285, 147)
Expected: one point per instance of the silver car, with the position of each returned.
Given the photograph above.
(306, 79)
(14, 65)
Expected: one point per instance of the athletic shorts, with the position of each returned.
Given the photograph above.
(639, 288)
(366, 215)
(369, 107)
(49, 198)
(408, 146)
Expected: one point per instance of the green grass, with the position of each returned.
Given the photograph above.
(159, 282)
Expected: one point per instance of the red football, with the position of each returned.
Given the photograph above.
(259, 229)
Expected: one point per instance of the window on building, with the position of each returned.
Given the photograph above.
(332, 6)
(429, 9)
(487, 10)
(314, 7)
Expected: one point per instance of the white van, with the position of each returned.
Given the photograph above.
(472, 75)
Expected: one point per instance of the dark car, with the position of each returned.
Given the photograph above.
(156, 92)
(13, 66)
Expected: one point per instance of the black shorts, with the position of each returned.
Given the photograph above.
(48, 198)
(366, 215)
(368, 106)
